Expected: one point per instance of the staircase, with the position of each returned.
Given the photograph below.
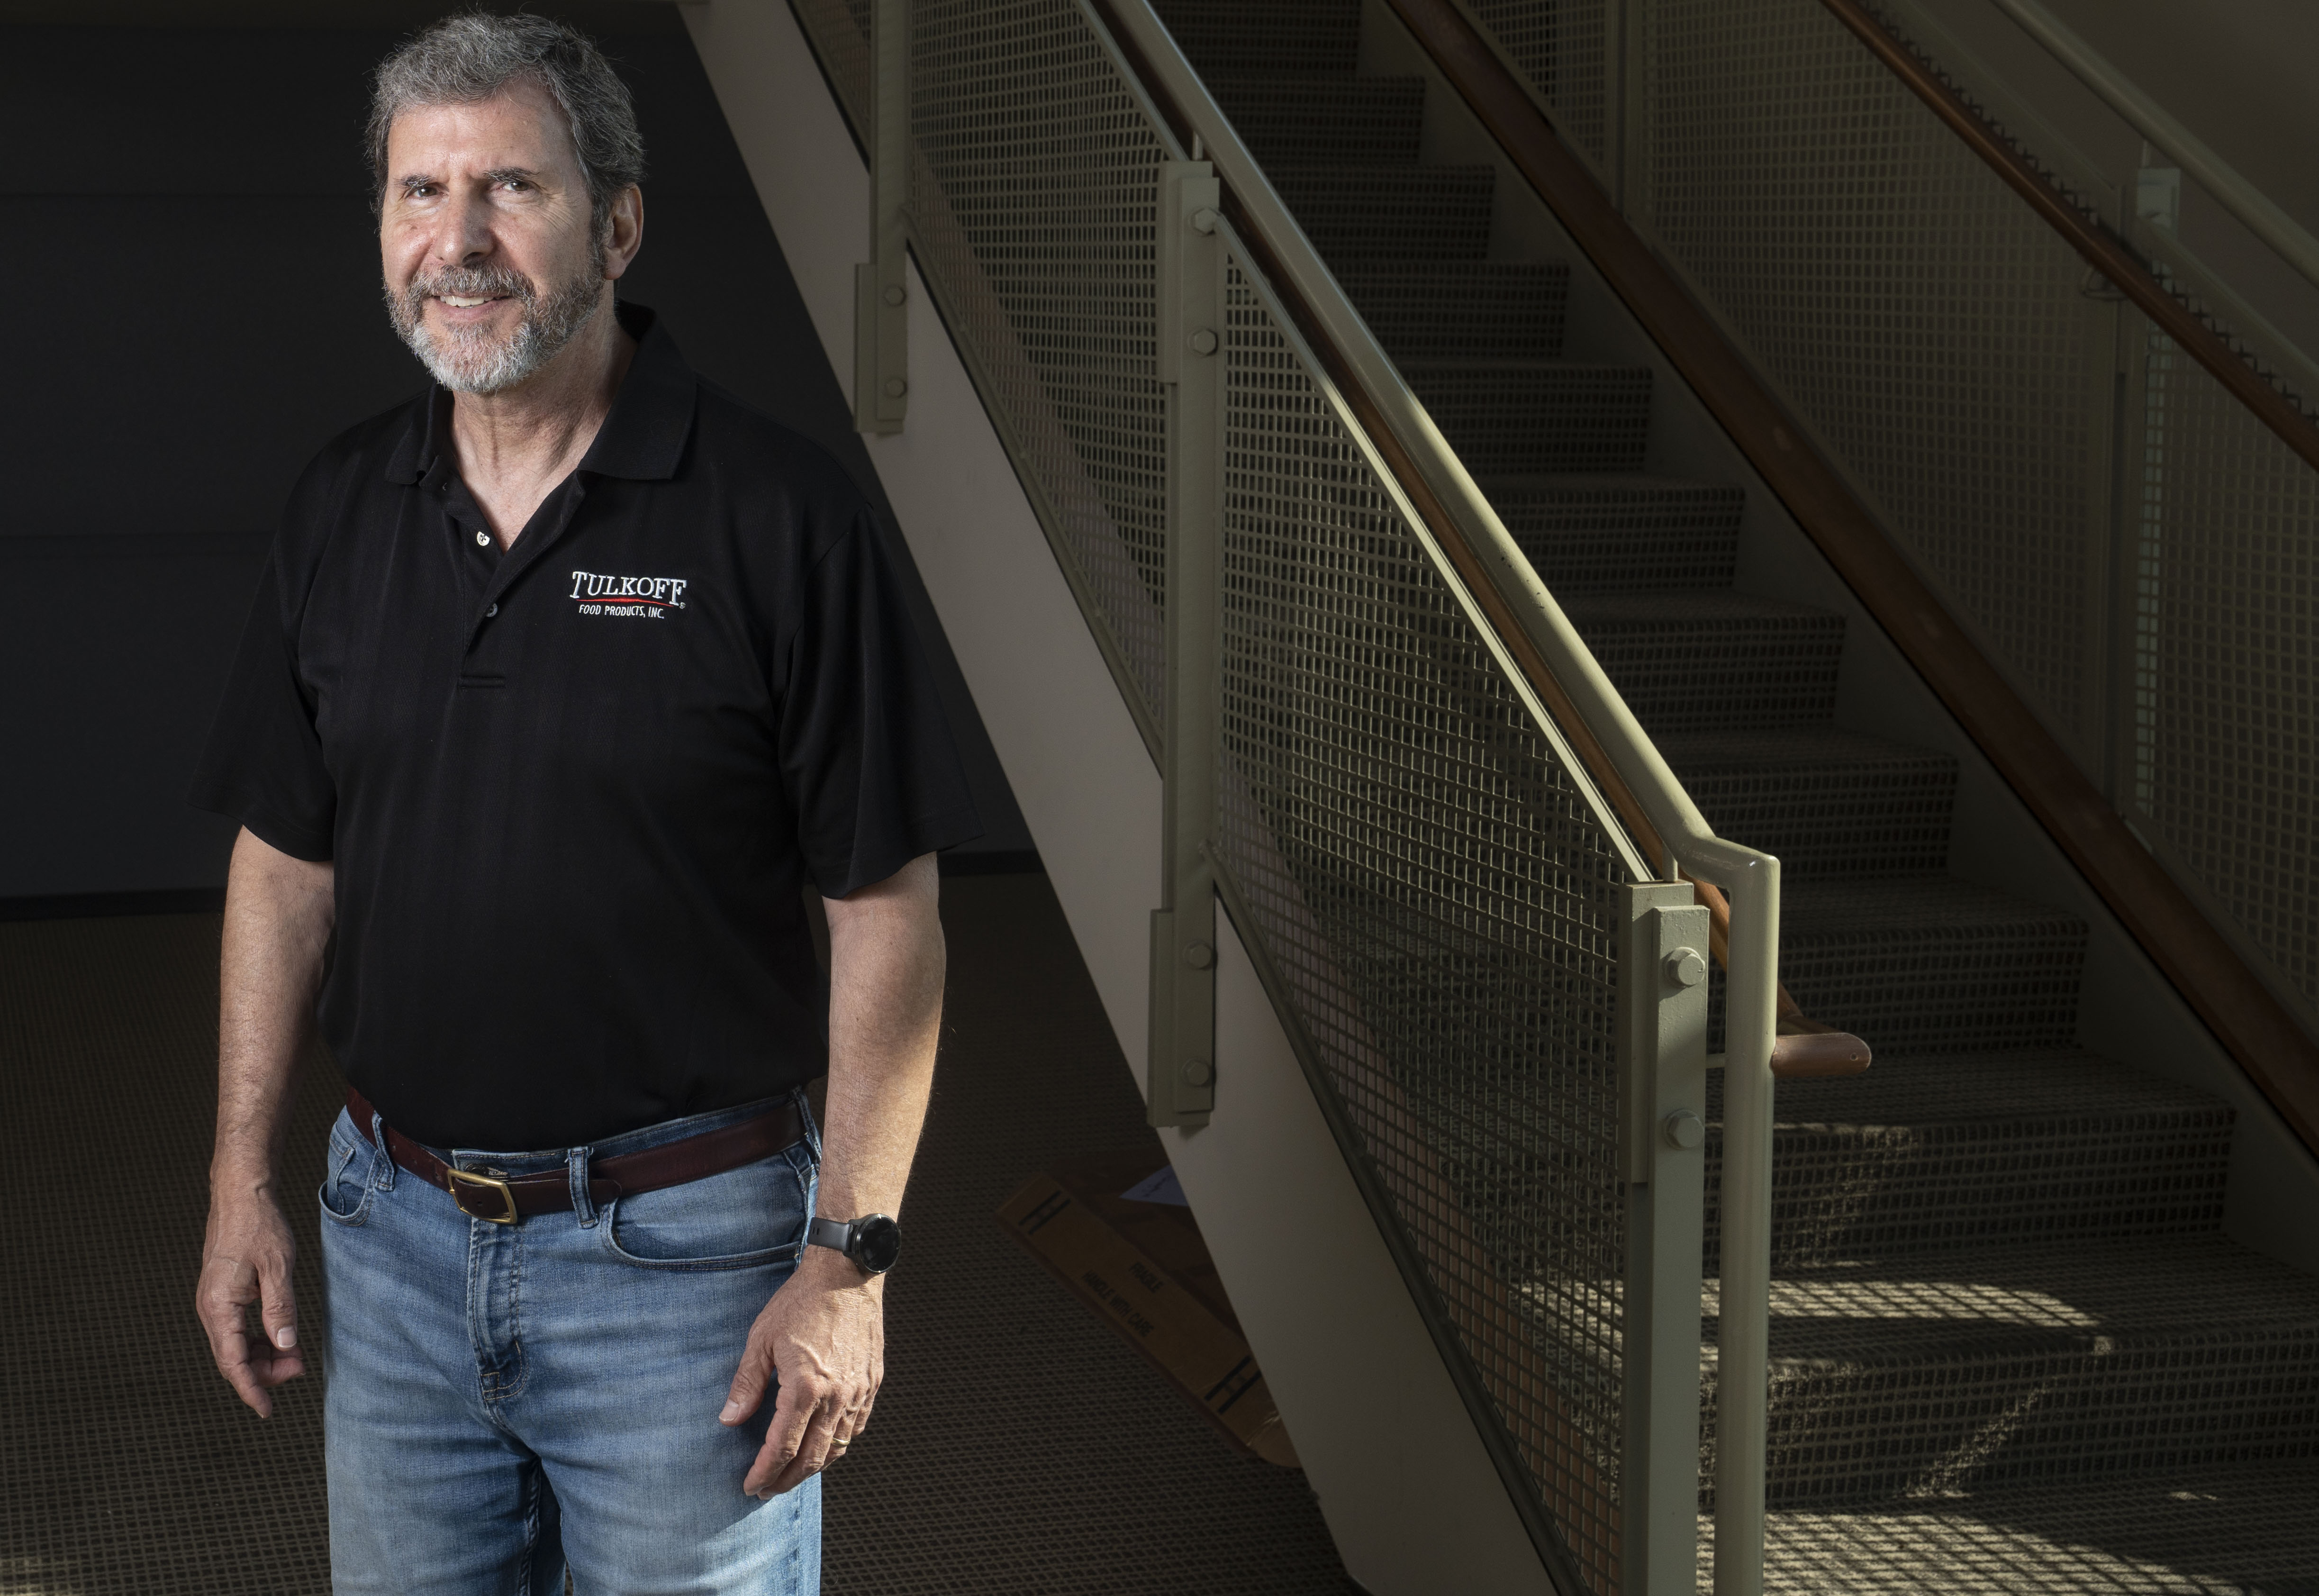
(2011, 1347)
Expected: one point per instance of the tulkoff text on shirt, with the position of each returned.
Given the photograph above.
(597, 593)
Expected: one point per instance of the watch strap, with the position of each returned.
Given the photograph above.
(836, 1234)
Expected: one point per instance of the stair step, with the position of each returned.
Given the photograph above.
(2218, 1530)
(1222, 37)
(1537, 416)
(1315, 120)
(1356, 214)
(1440, 310)
(1714, 660)
(1930, 964)
(2035, 1364)
(1596, 534)
(1827, 802)
(1929, 1154)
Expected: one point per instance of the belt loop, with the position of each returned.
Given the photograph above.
(804, 1115)
(584, 1203)
(383, 1165)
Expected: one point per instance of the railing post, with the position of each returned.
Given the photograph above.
(1662, 969)
(1743, 1298)
(1181, 1069)
(882, 289)
(1626, 118)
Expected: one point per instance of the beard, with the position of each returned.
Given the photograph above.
(478, 360)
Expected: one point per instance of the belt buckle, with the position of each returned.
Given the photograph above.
(466, 1181)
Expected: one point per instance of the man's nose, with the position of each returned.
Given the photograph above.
(463, 234)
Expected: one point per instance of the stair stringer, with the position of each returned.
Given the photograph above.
(1405, 1484)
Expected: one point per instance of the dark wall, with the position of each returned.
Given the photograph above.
(190, 269)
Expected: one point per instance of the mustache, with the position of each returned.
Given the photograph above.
(475, 282)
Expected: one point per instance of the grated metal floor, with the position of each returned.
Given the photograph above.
(1018, 1447)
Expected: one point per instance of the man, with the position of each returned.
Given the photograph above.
(560, 682)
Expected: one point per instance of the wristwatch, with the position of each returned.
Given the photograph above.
(873, 1241)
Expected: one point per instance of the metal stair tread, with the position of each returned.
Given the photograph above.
(1906, 906)
(1280, 115)
(1693, 606)
(2219, 1528)
(1492, 366)
(1558, 485)
(2103, 1297)
(1931, 1093)
(1789, 748)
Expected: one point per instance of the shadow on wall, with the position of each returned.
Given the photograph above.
(199, 314)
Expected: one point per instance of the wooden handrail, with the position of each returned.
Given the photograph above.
(2268, 1043)
(2101, 248)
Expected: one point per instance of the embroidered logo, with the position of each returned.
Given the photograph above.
(653, 596)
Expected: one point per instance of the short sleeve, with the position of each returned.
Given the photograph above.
(866, 749)
(263, 766)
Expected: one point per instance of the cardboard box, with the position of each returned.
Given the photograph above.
(1142, 1267)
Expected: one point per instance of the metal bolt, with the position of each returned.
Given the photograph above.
(1203, 220)
(895, 295)
(1685, 968)
(1202, 342)
(1198, 1072)
(1199, 955)
(1685, 1130)
(896, 387)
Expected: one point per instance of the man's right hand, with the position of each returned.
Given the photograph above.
(246, 1258)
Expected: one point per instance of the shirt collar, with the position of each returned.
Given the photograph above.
(642, 439)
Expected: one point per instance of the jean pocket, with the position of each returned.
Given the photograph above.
(345, 1191)
(742, 1219)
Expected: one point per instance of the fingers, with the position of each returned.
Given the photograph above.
(794, 1411)
(813, 1452)
(748, 1388)
(246, 1267)
(252, 1364)
(279, 1312)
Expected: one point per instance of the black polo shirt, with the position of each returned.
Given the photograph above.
(571, 792)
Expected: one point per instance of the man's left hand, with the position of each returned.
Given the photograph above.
(821, 1342)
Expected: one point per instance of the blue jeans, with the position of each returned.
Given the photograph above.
(504, 1398)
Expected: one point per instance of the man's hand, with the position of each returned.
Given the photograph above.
(278, 914)
(822, 1343)
(246, 1257)
(822, 1339)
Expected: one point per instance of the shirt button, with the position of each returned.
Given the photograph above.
(493, 610)
(482, 540)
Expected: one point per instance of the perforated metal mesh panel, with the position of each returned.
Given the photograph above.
(1922, 318)
(1438, 895)
(1561, 51)
(840, 31)
(1033, 188)
(2226, 659)
(1420, 867)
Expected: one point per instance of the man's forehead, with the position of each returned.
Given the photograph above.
(519, 127)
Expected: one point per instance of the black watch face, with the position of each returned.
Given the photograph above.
(877, 1243)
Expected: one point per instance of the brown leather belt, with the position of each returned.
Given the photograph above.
(504, 1199)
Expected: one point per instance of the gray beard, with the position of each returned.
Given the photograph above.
(475, 361)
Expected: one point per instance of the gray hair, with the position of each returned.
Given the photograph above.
(474, 56)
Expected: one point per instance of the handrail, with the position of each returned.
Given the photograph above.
(2261, 215)
(1603, 731)
(2100, 248)
(1557, 667)
(2237, 1007)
